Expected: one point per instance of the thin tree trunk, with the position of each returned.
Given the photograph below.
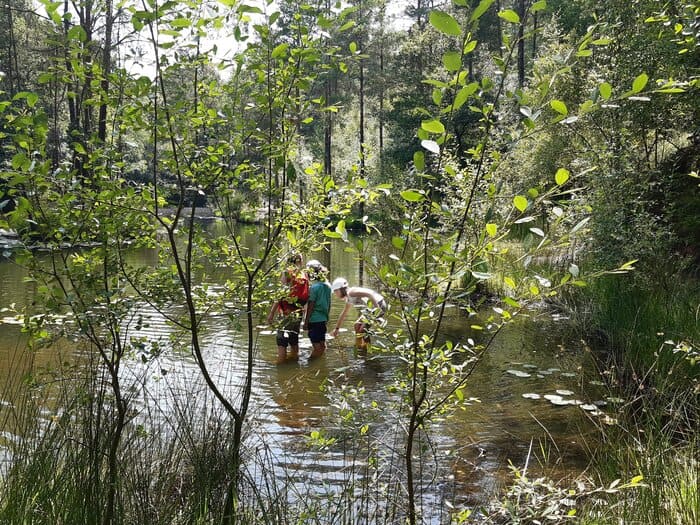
(521, 44)
(106, 71)
(534, 35)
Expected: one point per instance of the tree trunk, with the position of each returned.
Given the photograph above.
(106, 71)
(521, 44)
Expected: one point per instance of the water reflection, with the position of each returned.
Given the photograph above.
(288, 402)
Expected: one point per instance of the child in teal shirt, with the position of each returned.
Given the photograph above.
(317, 308)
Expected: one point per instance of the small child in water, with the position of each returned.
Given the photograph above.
(372, 306)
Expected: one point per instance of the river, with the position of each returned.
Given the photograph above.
(509, 419)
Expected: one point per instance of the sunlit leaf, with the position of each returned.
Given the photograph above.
(640, 83)
(559, 107)
(412, 195)
(463, 95)
(431, 146)
(510, 16)
(480, 9)
(280, 51)
(433, 126)
(181, 22)
(561, 176)
(419, 160)
(470, 46)
(520, 202)
(491, 229)
(452, 60)
(444, 23)
(538, 6)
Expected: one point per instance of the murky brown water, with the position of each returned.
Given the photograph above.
(532, 356)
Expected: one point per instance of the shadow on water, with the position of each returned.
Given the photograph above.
(509, 419)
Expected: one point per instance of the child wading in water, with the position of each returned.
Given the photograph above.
(318, 308)
(372, 305)
(291, 306)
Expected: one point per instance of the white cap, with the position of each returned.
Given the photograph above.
(315, 265)
(339, 283)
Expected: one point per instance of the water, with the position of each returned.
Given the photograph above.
(533, 356)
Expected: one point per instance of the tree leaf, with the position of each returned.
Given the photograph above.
(431, 146)
(452, 60)
(491, 229)
(561, 176)
(444, 23)
(433, 126)
(412, 195)
(538, 6)
(580, 225)
(280, 51)
(32, 99)
(605, 90)
(470, 46)
(419, 160)
(181, 22)
(559, 107)
(640, 83)
(398, 242)
(510, 16)
(480, 9)
(520, 202)
(463, 95)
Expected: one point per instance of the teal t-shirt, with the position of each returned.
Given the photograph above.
(320, 295)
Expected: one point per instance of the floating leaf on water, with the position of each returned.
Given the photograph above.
(563, 392)
(518, 373)
(529, 366)
(540, 376)
(600, 403)
(532, 396)
(545, 372)
(11, 320)
(267, 332)
(554, 370)
(568, 374)
(596, 383)
(561, 402)
(550, 397)
(576, 402)
(588, 407)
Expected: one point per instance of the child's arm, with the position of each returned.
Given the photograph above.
(273, 312)
(341, 318)
(307, 313)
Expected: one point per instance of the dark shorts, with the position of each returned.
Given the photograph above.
(288, 332)
(317, 332)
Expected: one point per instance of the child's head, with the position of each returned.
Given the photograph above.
(316, 269)
(340, 287)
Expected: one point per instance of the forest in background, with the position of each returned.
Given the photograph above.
(525, 152)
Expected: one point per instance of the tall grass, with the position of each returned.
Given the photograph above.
(176, 463)
(647, 331)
